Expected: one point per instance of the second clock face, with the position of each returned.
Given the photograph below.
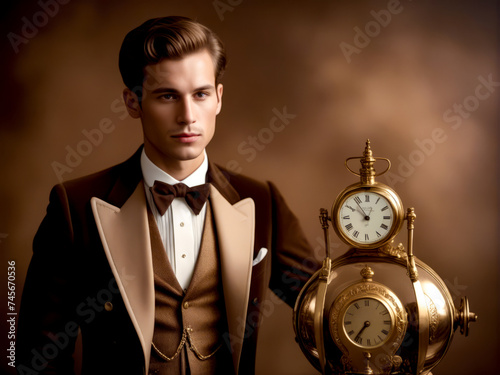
(367, 322)
(366, 217)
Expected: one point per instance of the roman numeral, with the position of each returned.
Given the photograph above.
(356, 234)
(387, 218)
(367, 237)
(350, 333)
(359, 340)
(385, 208)
(356, 305)
(367, 198)
(357, 200)
(368, 342)
(347, 217)
(385, 332)
(387, 322)
(348, 227)
(383, 226)
(349, 207)
(385, 312)
(347, 322)
(367, 302)
(378, 234)
(377, 200)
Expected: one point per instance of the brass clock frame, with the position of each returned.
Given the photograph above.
(319, 313)
(376, 188)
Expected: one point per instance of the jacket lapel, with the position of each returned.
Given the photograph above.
(235, 225)
(124, 234)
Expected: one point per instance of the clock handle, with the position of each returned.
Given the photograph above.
(367, 170)
(324, 275)
(323, 219)
(412, 267)
(422, 310)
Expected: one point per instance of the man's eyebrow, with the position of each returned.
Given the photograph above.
(160, 90)
(206, 87)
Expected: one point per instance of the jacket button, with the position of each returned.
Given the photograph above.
(186, 305)
(108, 306)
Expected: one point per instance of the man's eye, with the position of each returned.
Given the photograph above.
(168, 96)
(201, 95)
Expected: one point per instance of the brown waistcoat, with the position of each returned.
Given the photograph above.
(189, 325)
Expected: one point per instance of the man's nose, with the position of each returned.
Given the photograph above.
(185, 114)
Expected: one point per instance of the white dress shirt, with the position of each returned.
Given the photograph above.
(180, 229)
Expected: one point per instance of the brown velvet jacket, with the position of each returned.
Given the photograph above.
(91, 271)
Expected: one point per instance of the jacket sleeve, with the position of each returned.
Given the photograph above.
(293, 260)
(47, 321)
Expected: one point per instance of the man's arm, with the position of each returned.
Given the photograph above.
(47, 325)
(293, 259)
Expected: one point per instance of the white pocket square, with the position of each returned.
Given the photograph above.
(262, 253)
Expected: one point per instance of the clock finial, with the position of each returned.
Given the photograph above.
(367, 171)
(367, 273)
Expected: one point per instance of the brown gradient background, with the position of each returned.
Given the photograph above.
(283, 53)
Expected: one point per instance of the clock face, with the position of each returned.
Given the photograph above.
(367, 322)
(366, 217)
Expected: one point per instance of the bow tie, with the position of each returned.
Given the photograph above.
(164, 194)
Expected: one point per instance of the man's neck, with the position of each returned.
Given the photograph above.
(182, 169)
(178, 169)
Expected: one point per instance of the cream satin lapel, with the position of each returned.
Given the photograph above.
(235, 225)
(125, 237)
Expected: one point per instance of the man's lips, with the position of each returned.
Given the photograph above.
(186, 137)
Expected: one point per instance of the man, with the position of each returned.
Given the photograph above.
(156, 278)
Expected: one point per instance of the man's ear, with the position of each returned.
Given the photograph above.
(132, 103)
(219, 97)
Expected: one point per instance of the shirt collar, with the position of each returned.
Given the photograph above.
(152, 173)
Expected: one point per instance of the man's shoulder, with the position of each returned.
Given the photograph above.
(241, 181)
(125, 176)
(250, 187)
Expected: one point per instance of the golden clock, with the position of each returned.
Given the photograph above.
(367, 214)
(403, 322)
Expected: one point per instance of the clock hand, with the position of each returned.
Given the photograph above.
(367, 324)
(367, 217)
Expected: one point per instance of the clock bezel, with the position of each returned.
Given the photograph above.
(377, 188)
(380, 293)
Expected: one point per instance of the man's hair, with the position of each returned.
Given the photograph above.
(166, 38)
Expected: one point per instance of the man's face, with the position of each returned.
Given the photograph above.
(179, 105)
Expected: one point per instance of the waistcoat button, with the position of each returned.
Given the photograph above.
(108, 306)
(186, 304)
